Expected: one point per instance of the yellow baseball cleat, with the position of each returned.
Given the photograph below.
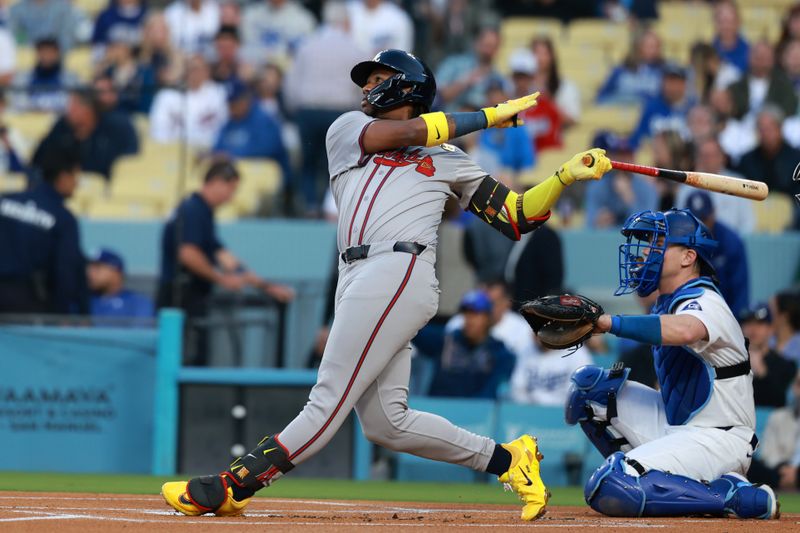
(177, 496)
(523, 476)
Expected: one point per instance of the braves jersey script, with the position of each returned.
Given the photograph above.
(731, 403)
(395, 195)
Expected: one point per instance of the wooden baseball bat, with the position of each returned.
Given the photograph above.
(754, 190)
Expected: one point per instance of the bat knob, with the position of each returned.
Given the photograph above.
(588, 160)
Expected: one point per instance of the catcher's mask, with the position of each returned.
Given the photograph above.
(648, 234)
(413, 83)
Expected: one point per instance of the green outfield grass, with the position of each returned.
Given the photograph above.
(312, 489)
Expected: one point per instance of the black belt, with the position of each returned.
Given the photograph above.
(726, 372)
(753, 441)
(354, 253)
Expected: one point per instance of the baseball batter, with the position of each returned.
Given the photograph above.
(683, 450)
(391, 173)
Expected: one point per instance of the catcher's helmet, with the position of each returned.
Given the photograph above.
(643, 230)
(411, 73)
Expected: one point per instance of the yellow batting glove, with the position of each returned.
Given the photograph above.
(589, 165)
(505, 115)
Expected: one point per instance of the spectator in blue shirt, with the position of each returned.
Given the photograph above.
(730, 259)
(110, 298)
(250, 132)
(728, 41)
(470, 363)
(44, 88)
(42, 268)
(610, 201)
(121, 21)
(668, 110)
(639, 77)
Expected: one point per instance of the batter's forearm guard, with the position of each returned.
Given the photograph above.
(258, 467)
(490, 203)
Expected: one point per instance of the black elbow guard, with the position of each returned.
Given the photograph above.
(488, 203)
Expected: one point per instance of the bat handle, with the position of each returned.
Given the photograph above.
(588, 160)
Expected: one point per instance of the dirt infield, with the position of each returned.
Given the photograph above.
(67, 513)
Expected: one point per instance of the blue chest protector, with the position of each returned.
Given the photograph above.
(686, 379)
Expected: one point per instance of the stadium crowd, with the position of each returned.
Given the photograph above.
(264, 80)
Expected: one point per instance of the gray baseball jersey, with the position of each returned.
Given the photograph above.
(384, 299)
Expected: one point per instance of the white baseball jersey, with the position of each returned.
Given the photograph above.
(397, 195)
(543, 377)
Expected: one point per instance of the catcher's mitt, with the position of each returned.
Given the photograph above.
(562, 321)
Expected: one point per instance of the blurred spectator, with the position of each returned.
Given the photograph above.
(527, 275)
(504, 152)
(470, 362)
(455, 24)
(508, 326)
(8, 56)
(230, 14)
(543, 121)
(542, 376)
(44, 270)
(732, 211)
(227, 67)
(378, 24)
(790, 62)
(485, 251)
(701, 123)
(195, 115)
(272, 29)
(99, 137)
(269, 92)
(193, 259)
(639, 77)
(785, 309)
(772, 373)
(45, 87)
(250, 132)
(737, 137)
(709, 72)
(670, 150)
(464, 79)
(159, 60)
(121, 22)
(762, 84)
(192, 24)
(134, 82)
(773, 160)
(318, 89)
(110, 298)
(668, 110)
(565, 10)
(728, 40)
(31, 21)
(791, 28)
(548, 80)
(11, 144)
(610, 201)
(729, 259)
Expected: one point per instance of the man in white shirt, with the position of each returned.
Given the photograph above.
(542, 376)
(273, 29)
(195, 115)
(192, 24)
(378, 25)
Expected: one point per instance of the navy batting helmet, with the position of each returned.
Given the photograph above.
(641, 272)
(413, 83)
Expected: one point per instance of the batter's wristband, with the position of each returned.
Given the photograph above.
(438, 129)
(491, 116)
(642, 328)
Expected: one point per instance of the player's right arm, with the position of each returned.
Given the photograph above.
(433, 129)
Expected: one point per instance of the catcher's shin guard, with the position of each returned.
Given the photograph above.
(261, 466)
(613, 491)
(592, 403)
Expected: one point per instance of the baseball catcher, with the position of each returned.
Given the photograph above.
(391, 173)
(682, 450)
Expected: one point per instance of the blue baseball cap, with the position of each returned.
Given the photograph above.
(759, 312)
(110, 258)
(700, 204)
(237, 90)
(476, 301)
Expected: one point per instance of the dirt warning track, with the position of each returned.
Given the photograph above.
(41, 512)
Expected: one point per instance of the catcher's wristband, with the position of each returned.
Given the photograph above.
(642, 328)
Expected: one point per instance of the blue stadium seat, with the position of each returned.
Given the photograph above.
(477, 416)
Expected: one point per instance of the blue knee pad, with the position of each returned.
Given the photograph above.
(596, 385)
(613, 492)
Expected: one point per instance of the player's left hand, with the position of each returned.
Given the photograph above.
(589, 165)
(562, 321)
(505, 115)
